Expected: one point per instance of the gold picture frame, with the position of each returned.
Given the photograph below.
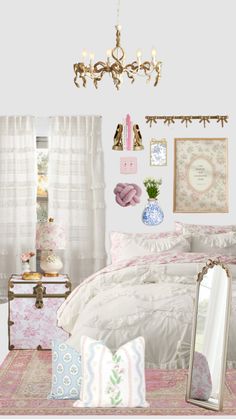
(200, 175)
(158, 152)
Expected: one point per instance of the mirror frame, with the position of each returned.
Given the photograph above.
(209, 265)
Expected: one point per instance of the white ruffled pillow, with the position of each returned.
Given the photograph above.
(184, 228)
(112, 380)
(222, 243)
(128, 245)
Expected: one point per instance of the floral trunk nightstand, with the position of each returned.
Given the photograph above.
(32, 311)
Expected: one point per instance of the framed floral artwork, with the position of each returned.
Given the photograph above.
(158, 152)
(201, 175)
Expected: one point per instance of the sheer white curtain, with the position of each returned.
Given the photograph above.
(18, 183)
(76, 192)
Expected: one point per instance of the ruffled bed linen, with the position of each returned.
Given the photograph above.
(150, 296)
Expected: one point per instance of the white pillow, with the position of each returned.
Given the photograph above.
(222, 243)
(183, 228)
(112, 380)
(128, 245)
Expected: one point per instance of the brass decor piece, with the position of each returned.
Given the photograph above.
(118, 145)
(116, 66)
(137, 138)
(187, 119)
(39, 292)
(26, 276)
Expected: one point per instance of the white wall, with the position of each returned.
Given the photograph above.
(41, 39)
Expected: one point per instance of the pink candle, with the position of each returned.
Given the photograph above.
(129, 133)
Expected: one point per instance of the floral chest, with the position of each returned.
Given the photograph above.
(32, 311)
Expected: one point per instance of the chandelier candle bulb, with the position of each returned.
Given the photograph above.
(108, 56)
(154, 53)
(139, 55)
(91, 56)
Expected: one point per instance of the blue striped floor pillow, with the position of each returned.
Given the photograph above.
(112, 380)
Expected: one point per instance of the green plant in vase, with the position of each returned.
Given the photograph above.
(152, 214)
(152, 186)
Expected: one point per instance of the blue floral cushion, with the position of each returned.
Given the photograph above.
(66, 372)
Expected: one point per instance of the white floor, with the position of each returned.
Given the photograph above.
(3, 332)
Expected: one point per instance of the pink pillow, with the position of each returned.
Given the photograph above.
(201, 386)
(130, 245)
(184, 228)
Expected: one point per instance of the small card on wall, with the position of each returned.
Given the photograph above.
(128, 165)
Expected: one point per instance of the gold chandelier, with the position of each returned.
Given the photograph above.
(116, 67)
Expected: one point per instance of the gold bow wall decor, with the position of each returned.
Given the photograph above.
(187, 119)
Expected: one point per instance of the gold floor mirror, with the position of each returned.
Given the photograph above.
(208, 352)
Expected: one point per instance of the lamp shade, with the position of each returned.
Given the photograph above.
(50, 236)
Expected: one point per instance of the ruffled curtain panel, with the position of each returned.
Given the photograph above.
(18, 182)
(76, 192)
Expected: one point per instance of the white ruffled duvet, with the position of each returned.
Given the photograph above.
(151, 297)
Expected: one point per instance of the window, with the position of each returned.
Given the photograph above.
(42, 187)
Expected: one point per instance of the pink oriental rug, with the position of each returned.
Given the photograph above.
(25, 381)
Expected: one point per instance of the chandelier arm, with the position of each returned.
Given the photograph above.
(83, 78)
(103, 67)
(132, 68)
(116, 57)
(76, 74)
(76, 83)
(130, 76)
(96, 80)
(117, 67)
(157, 78)
(100, 73)
(118, 48)
(158, 74)
(116, 79)
(146, 66)
(80, 71)
(147, 71)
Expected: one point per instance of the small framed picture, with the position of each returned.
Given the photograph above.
(201, 175)
(158, 152)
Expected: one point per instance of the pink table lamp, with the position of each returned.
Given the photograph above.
(50, 236)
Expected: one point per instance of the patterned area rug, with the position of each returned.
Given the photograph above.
(25, 380)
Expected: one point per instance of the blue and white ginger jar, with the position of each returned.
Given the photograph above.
(152, 213)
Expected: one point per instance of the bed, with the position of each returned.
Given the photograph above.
(150, 294)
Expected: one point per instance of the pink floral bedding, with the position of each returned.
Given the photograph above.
(150, 296)
(163, 258)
